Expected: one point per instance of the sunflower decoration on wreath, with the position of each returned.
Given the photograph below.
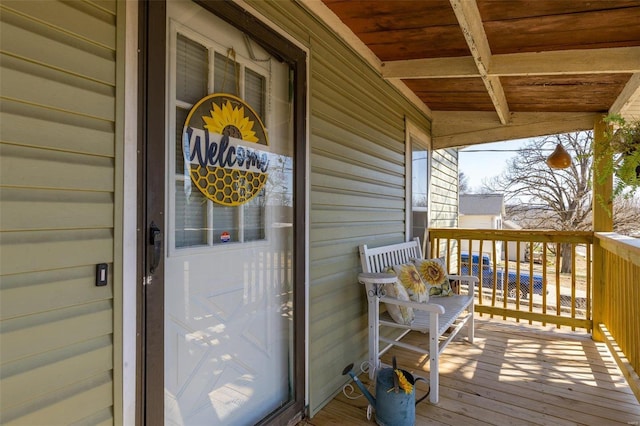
(223, 142)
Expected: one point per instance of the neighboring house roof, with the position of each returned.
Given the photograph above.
(482, 204)
(509, 224)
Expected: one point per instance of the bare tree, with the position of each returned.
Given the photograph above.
(463, 183)
(558, 199)
(626, 216)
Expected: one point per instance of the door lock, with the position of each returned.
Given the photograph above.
(155, 239)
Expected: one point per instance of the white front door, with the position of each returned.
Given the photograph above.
(228, 265)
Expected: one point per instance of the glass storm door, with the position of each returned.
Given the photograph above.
(228, 326)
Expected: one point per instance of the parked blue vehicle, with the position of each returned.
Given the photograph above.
(487, 276)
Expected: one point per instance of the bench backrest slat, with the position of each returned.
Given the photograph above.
(377, 259)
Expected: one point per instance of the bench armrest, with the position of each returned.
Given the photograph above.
(470, 280)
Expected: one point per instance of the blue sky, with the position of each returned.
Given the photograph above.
(486, 163)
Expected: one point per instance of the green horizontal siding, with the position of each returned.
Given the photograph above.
(81, 20)
(26, 125)
(50, 290)
(444, 189)
(357, 180)
(38, 84)
(38, 168)
(57, 180)
(46, 46)
(69, 405)
(39, 375)
(28, 209)
(48, 250)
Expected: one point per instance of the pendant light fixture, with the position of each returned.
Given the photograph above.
(559, 159)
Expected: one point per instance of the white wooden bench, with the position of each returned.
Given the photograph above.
(441, 317)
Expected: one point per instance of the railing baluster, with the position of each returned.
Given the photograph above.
(480, 272)
(544, 279)
(518, 289)
(573, 283)
(433, 253)
(505, 276)
(529, 279)
(588, 289)
(495, 275)
(451, 249)
(558, 298)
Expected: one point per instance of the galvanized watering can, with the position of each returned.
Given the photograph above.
(393, 405)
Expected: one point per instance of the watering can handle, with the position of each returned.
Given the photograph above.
(426, 394)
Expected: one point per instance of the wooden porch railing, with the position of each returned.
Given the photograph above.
(533, 287)
(617, 309)
(532, 290)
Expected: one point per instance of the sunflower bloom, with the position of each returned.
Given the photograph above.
(412, 281)
(230, 118)
(432, 272)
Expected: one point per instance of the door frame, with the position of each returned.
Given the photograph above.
(151, 199)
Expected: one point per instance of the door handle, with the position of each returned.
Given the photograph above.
(155, 239)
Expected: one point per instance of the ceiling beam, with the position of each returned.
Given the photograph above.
(562, 62)
(629, 95)
(468, 16)
(591, 61)
(452, 129)
(431, 68)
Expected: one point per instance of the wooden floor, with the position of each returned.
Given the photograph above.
(513, 374)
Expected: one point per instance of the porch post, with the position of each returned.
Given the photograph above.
(602, 222)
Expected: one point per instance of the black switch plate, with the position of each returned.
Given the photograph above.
(101, 274)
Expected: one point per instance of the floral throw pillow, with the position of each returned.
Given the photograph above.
(410, 279)
(434, 274)
(400, 314)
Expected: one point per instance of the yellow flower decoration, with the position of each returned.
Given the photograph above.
(432, 272)
(230, 121)
(403, 382)
(411, 279)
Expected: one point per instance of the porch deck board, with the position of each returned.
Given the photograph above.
(514, 373)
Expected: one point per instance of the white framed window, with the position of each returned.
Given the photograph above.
(200, 67)
(418, 171)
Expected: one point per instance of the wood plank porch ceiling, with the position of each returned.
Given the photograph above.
(490, 70)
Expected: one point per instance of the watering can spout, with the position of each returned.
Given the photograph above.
(349, 370)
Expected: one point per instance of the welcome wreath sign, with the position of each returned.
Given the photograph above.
(224, 147)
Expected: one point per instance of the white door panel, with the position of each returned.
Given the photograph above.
(228, 322)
